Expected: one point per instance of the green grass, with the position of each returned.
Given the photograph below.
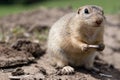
(6, 10)
(109, 6)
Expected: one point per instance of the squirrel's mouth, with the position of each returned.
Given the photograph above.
(97, 25)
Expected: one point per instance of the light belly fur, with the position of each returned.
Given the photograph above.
(76, 57)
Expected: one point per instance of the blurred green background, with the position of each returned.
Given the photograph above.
(15, 6)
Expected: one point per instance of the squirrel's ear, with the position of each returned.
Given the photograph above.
(79, 10)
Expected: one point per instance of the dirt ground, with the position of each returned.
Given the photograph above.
(23, 39)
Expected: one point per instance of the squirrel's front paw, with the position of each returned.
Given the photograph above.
(84, 47)
(67, 70)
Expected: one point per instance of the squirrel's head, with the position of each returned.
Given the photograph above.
(91, 15)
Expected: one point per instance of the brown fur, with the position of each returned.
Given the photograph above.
(69, 36)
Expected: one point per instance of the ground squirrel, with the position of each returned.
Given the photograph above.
(70, 37)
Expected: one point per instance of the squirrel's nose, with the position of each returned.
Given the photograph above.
(99, 21)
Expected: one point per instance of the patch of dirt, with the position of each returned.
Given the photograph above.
(10, 57)
(34, 26)
(44, 71)
(37, 19)
(28, 46)
(111, 54)
(21, 52)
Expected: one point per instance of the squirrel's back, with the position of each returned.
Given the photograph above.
(60, 29)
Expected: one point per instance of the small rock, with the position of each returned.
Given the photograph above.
(18, 71)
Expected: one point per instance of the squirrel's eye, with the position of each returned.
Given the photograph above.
(86, 11)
